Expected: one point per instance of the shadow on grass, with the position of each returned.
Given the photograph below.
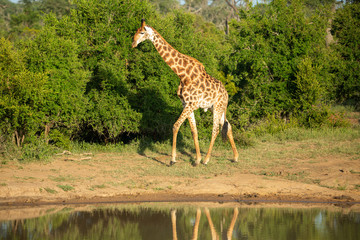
(148, 144)
(157, 122)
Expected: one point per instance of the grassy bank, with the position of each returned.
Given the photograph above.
(272, 131)
(324, 157)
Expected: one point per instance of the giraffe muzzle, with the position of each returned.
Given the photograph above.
(134, 44)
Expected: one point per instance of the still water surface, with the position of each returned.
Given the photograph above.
(164, 221)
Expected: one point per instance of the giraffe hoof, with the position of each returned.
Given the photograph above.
(172, 163)
(205, 162)
(195, 164)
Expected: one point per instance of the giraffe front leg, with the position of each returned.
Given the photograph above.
(184, 115)
(173, 152)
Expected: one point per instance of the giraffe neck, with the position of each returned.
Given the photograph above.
(184, 66)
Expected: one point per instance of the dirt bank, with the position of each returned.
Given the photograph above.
(118, 177)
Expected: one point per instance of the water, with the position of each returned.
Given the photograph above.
(170, 221)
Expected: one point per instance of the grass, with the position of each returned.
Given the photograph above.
(341, 187)
(275, 153)
(61, 178)
(270, 152)
(24, 178)
(66, 187)
(266, 155)
(49, 190)
(94, 187)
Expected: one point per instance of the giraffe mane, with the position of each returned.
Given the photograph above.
(194, 59)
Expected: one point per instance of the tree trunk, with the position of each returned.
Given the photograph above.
(47, 131)
(329, 39)
(226, 27)
(19, 138)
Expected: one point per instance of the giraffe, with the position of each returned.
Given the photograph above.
(197, 89)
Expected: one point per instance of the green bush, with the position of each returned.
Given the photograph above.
(307, 89)
(36, 149)
(21, 94)
(64, 104)
(346, 29)
(276, 52)
(86, 55)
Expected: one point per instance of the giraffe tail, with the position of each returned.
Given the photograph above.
(225, 126)
(224, 130)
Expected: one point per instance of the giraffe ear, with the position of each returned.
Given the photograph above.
(142, 23)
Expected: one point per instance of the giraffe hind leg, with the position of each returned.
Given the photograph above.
(215, 132)
(224, 128)
(226, 132)
(231, 139)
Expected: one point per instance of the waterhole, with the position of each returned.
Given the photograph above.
(173, 221)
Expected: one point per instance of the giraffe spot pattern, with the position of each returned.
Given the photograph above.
(195, 84)
(188, 69)
(170, 62)
(166, 55)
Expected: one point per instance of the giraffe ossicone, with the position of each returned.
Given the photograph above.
(197, 89)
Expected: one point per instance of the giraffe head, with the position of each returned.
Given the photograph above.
(143, 33)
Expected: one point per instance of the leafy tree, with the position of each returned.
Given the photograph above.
(165, 6)
(65, 105)
(7, 9)
(57, 7)
(21, 95)
(345, 27)
(103, 31)
(24, 18)
(27, 22)
(276, 49)
(215, 11)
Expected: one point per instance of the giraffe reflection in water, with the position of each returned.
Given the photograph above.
(214, 235)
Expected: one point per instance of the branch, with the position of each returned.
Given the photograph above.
(232, 6)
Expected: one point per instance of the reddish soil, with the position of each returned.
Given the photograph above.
(116, 177)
